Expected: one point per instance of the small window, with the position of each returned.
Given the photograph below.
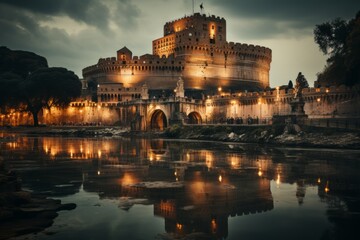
(213, 27)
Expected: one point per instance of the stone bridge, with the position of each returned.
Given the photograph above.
(157, 114)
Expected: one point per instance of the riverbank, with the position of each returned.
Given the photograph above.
(279, 135)
(20, 211)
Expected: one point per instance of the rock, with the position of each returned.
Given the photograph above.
(232, 136)
(67, 206)
(20, 212)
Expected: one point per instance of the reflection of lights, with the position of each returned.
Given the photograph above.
(235, 162)
(213, 225)
(209, 159)
(179, 226)
(220, 178)
(53, 152)
(327, 189)
(260, 173)
(128, 179)
(319, 180)
(98, 172)
(278, 179)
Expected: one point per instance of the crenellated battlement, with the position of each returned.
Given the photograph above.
(145, 62)
(198, 16)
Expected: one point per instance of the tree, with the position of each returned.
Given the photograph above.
(290, 84)
(27, 84)
(340, 40)
(9, 83)
(20, 62)
(48, 87)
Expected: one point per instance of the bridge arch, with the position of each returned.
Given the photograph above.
(158, 120)
(194, 118)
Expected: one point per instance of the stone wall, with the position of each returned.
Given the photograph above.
(320, 103)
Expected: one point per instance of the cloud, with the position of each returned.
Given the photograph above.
(91, 12)
(268, 19)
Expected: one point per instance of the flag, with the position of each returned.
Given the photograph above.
(201, 6)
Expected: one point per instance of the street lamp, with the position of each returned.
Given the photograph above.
(260, 102)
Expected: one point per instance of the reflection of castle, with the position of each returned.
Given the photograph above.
(194, 47)
(217, 184)
(204, 203)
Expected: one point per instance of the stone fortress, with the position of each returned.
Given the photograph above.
(194, 47)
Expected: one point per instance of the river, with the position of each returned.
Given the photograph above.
(136, 188)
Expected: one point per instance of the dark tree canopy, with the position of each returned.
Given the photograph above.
(9, 83)
(20, 62)
(340, 40)
(49, 87)
(26, 83)
(290, 84)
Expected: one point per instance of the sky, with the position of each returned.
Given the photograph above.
(76, 33)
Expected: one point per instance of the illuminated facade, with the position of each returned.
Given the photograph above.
(194, 47)
(111, 94)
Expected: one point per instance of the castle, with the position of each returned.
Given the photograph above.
(194, 47)
(195, 76)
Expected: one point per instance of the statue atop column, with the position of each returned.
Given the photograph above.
(301, 83)
(297, 115)
(179, 90)
(297, 104)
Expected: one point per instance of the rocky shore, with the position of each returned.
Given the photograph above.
(21, 212)
(279, 135)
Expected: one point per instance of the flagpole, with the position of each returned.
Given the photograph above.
(193, 6)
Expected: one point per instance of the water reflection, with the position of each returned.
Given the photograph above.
(215, 181)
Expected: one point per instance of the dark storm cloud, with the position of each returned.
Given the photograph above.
(267, 19)
(304, 10)
(91, 12)
(126, 14)
(21, 30)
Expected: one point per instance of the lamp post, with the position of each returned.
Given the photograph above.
(260, 102)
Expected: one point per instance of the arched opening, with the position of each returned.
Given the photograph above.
(158, 120)
(194, 118)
